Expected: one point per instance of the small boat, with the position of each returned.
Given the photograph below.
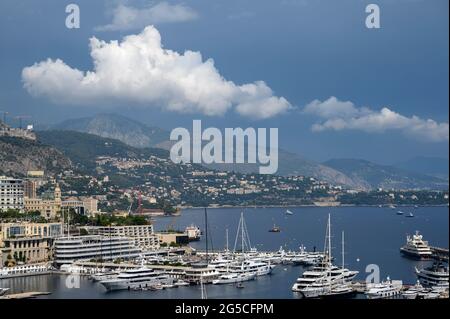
(399, 212)
(275, 229)
(410, 215)
(288, 212)
(156, 287)
(240, 285)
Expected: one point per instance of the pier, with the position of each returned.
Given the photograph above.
(26, 295)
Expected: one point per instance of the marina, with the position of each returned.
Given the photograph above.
(266, 266)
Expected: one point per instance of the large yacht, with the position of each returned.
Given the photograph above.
(416, 247)
(326, 279)
(384, 290)
(260, 268)
(137, 278)
(325, 275)
(435, 275)
(234, 277)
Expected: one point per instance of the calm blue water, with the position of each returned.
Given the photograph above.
(372, 236)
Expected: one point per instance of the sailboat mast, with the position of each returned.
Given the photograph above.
(343, 258)
(242, 232)
(206, 230)
(226, 236)
(329, 238)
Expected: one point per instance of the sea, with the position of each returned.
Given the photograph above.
(373, 237)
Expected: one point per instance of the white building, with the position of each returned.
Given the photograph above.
(94, 248)
(11, 193)
(142, 235)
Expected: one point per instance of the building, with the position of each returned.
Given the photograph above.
(94, 248)
(27, 242)
(49, 208)
(29, 188)
(142, 235)
(90, 206)
(173, 238)
(11, 193)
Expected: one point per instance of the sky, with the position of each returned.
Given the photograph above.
(333, 87)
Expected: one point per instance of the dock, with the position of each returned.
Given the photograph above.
(26, 295)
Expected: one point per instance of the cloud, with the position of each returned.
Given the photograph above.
(138, 70)
(339, 115)
(129, 18)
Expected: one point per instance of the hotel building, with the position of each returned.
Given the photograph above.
(94, 248)
(11, 193)
(142, 235)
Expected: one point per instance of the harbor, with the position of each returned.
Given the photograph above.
(305, 229)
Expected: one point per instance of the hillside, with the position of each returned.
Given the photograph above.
(117, 127)
(83, 148)
(375, 175)
(17, 156)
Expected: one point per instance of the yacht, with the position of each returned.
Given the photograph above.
(288, 212)
(386, 289)
(136, 278)
(413, 292)
(275, 229)
(101, 276)
(323, 275)
(325, 279)
(234, 277)
(259, 268)
(435, 275)
(416, 247)
(3, 291)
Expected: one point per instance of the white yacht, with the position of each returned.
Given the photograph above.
(101, 276)
(325, 279)
(323, 275)
(259, 268)
(413, 292)
(416, 247)
(137, 278)
(234, 277)
(384, 290)
(3, 291)
(435, 275)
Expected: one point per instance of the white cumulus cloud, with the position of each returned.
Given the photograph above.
(344, 115)
(139, 70)
(131, 18)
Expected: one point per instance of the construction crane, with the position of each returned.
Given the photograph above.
(20, 118)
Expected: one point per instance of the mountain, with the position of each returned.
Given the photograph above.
(117, 127)
(433, 166)
(389, 177)
(84, 148)
(351, 173)
(18, 155)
